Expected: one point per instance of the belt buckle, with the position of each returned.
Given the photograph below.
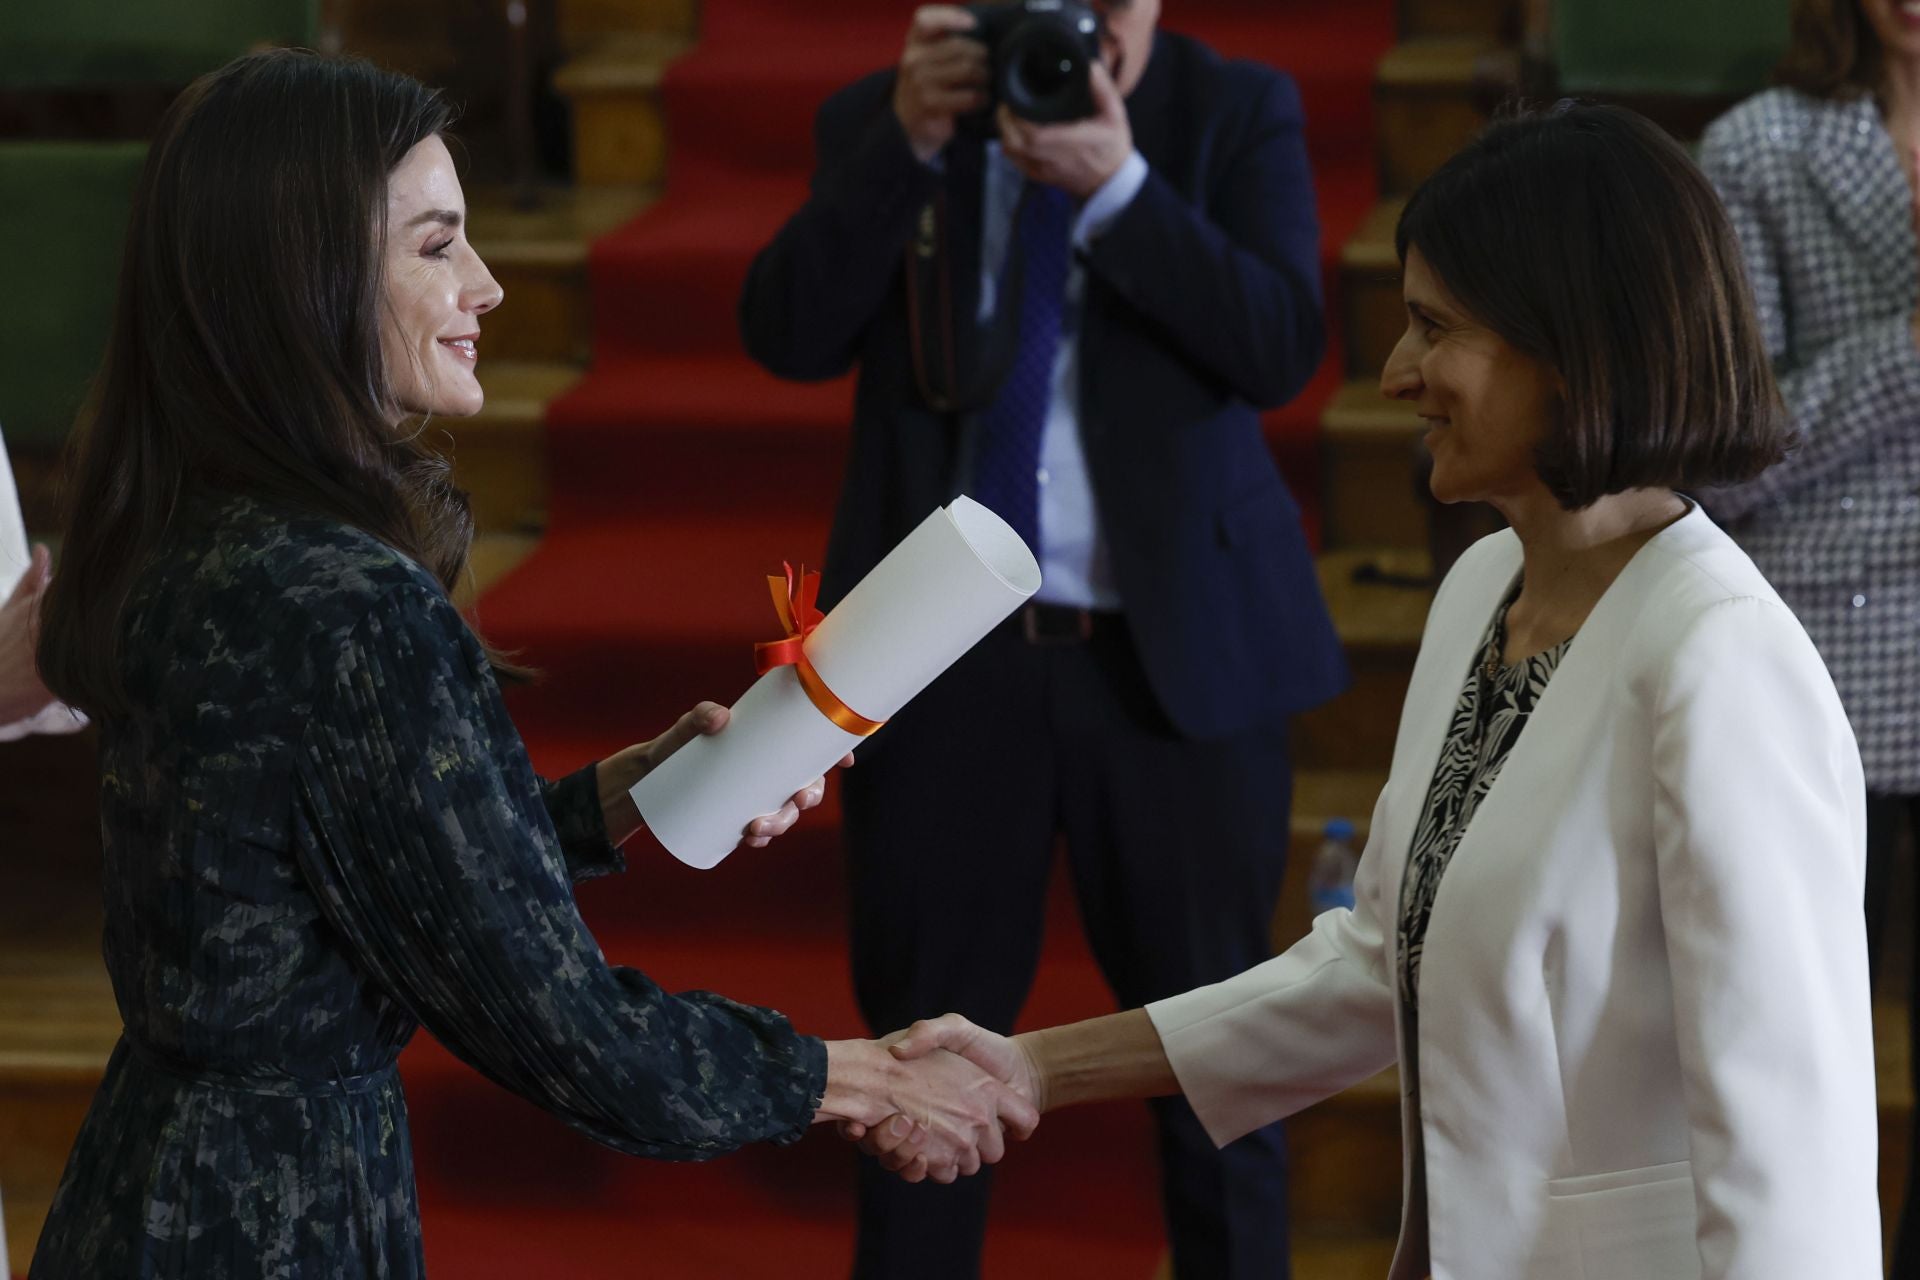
(1037, 634)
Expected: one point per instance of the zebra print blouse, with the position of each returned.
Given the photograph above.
(1493, 708)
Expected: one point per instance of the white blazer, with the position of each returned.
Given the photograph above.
(1646, 1046)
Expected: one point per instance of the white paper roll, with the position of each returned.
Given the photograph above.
(930, 600)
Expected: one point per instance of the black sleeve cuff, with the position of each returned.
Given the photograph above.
(573, 803)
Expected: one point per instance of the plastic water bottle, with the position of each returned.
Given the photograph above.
(1330, 884)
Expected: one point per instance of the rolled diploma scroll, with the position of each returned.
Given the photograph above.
(930, 600)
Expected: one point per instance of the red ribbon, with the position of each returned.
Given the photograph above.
(794, 599)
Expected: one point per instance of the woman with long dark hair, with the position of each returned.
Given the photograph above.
(1819, 176)
(320, 828)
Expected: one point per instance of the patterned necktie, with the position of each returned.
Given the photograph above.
(1007, 462)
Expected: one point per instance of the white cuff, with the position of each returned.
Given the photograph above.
(1105, 205)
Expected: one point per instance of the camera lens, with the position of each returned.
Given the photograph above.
(1042, 73)
(1046, 72)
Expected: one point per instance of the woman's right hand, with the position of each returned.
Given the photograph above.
(619, 773)
(937, 1116)
(1005, 1058)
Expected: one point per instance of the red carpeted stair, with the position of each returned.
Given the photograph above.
(680, 475)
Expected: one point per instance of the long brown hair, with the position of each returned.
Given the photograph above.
(1833, 51)
(244, 355)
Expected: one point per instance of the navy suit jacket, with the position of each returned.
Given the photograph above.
(1202, 308)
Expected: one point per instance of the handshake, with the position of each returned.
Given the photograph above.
(937, 1100)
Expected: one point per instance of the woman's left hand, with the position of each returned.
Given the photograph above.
(620, 771)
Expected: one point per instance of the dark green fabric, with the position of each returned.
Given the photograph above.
(63, 206)
(1698, 48)
(104, 42)
(62, 219)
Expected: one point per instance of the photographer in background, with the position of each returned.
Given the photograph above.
(1075, 319)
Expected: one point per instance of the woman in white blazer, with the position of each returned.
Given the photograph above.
(1607, 920)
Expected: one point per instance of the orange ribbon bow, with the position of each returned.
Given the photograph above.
(793, 599)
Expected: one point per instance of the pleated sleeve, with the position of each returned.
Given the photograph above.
(428, 840)
(573, 806)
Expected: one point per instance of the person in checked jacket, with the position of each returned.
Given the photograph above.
(1818, 175)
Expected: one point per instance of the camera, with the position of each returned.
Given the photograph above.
(1041, 55)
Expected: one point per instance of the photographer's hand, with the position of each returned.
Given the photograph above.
(1079, 157)
(941, 77)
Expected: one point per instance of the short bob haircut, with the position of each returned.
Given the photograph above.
(1585, 237)
(1833, 52)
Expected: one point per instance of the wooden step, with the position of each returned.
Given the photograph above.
(500, 454)
(1327, 1257)
(584, 23)
(57, 1017)
(1346, 1160)
(1319, 796)
(619, 126)
(1378, 598)
(1373, 487)
(1487, 19)
(1346, 1152)
(537, 250)
(1894, 1077)
(493, 557)
(1432, 95)
(1337, 1257)
(1373, 314)
(45, 1096)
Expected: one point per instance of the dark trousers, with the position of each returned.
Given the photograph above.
(1176, 850)
(1887, 817)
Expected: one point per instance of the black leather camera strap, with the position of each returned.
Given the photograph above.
(946, 344)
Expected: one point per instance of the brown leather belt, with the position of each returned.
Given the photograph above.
(1051, 624)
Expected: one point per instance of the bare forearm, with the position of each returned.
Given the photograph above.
(859, 1075)
(615, 777)
(1101, 1059)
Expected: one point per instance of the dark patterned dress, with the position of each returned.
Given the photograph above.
(1495, 703)
(322, 831)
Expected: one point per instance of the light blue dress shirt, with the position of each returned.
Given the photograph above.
(1074, 568)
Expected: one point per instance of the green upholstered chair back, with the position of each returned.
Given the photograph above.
(1669, 48)
(63, 206)
(57, 43)
(61, 224)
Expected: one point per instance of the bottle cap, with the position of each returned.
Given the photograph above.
(1339, 829)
